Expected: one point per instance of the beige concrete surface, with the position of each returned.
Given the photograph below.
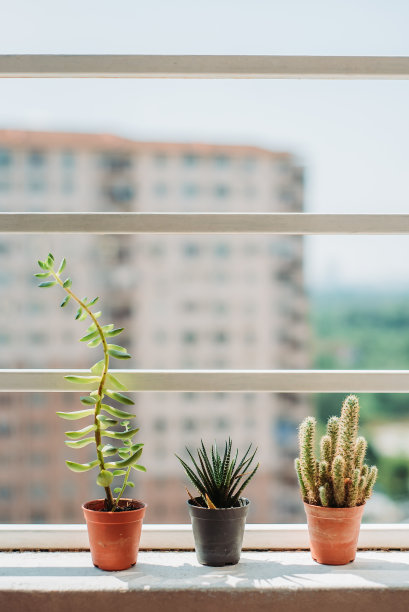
(174, 581)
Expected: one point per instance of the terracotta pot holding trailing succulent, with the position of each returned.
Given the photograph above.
(114, 523)
(335, 487)
(219, 513)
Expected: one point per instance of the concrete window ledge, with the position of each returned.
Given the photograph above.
(378, 581)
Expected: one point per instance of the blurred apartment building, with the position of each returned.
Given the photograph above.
(186, 302)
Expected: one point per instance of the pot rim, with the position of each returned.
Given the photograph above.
(334, 514)
(189, 503)
(143, 506)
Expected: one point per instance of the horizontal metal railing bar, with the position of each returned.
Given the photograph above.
(180, 537)
(204, 223)
(269, 381)
(204, 66)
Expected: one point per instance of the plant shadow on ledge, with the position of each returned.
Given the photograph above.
(114, 523)
(219, 514)
(335, 487)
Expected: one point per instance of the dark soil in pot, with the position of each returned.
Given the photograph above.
(218, 533)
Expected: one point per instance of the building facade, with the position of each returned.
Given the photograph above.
(186, 302)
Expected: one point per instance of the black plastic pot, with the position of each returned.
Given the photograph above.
(218, 533)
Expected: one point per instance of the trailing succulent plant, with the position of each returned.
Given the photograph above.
(106, 384)
(219, 480)
(340, 478)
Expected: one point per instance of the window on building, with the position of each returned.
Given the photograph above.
(222, 250)
(249, 163)
(5, 157)
(221, 191)
(190, 159)
(189, 337)
(116, 161)
(160, 159)
(67, 186)
(191, 249)
(160, 190)
(5, 430)
(221, 161)
(119, 194)
(68, 159)
(190, 190)
(36, 185)
(5, 492)
(160, 425)
(221, 337)
(36, 159)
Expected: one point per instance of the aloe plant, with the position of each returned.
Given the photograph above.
(219, 480)
(340, 478)
(104, 416)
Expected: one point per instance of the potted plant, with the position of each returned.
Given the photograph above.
(219, 513)
(335, 487)
(114, 523)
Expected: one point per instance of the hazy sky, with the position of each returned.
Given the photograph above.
(351, 136)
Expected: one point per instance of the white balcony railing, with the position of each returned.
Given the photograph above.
(297, 381)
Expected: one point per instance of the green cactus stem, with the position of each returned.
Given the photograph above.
(348, 431)
(353, 489)
(303, 488)
(338, 480)
(307, 457)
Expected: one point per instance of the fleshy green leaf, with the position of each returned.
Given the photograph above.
(118, 354)
(87, 400)
(94, 301)
(74, 435)
(62, 266)
(80, 443)
(95, 342)
(82, 467)
(114, 332)
(97, 314)
(43, 265)
(106, 421)
(65, 301)
(83, 316)
(119, 472)
(67, 283)
(107, 450)
(104, 478)
(98, 367)
(74, 416)
(123, 452)
(115, 382)
(90, 336)
(118, 489)
(119, 397)
(47, 284)
(50, 257)
(126, 462)
(82, 380)
(121, 414)
(140, 468)
(107, 328)
(120, 435)
(79, 313)
(42, 274)
(117, 347)
(130, 484)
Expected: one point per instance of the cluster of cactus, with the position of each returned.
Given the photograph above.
(340, 479)
(219, 480)
(95, 404)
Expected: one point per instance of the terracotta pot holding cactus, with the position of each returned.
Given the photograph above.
(336, 486)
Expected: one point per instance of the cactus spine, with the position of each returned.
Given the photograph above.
(340, 479)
